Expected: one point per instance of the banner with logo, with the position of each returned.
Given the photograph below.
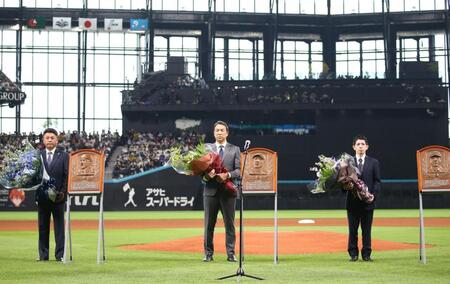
(9, 92)
(163, 189)
(113, 24)
(87, 24)
(138, 24)
(62, 23)
(12, 98)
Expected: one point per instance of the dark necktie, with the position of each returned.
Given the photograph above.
(221, 151)
(360, 165)
(49, 158)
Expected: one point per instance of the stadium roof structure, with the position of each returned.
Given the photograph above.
(268, 27)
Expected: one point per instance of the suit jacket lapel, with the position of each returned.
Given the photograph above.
(226, 154)
(366, 163)
(44, 157)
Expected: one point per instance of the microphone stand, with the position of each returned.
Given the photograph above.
(240, 272)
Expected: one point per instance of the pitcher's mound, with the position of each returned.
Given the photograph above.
(263, 242)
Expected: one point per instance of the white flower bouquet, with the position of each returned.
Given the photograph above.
(340, 173)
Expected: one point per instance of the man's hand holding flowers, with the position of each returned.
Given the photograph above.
(223, 177)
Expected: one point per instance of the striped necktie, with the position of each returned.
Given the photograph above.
(49, 158)
(221, 151)
(360, 165)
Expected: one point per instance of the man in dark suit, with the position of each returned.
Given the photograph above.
(56, 164)
(217, 198)
(359, 212)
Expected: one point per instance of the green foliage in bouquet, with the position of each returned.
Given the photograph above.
(181, 162)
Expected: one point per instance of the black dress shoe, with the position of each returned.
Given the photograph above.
(354, 258)
(41, 259)
(232, 258)
(208, 258)
(367, 258)
(59, 259)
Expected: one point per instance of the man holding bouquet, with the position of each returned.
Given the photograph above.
(56, 164)
(358, 211)
(217, 197)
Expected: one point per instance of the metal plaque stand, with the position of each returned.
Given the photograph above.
(423, 256)
(67, 233)
(101, 234)
(275, 229)
(240, 272)
(432, 177)
(67, 257)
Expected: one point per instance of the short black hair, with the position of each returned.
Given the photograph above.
(50, 130)
(360, 137)
(220, 122)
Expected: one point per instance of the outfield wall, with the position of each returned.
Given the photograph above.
(163, 189)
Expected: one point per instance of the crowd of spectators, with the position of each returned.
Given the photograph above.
(106, 141)
(200, 93)
(291, 96)
(140, 152)
(421, 94)
(187, 81)
(144, 151)
(159, 89)
(70, 141)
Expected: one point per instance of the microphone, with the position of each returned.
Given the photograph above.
(246, 145)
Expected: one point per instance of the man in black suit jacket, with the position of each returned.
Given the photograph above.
(217, 198)
(56, 163)
(359, 212)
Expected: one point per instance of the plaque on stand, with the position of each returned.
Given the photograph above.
(261, 177)
(86, 176)
(433, 165)
(433, 175)
(261, 172)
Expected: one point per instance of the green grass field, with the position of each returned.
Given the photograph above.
(18, 250)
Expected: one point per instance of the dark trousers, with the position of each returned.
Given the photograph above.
(355, 218)
(44, 212)
(227, 206)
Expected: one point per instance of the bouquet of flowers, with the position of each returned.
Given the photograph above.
(22, 168)
(199, 161)
(339, 173)
(326, 171)
(22, 171)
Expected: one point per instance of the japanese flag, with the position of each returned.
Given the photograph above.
(87, 24)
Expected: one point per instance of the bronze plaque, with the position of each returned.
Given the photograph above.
(86, 171)
(260, 174)
(433, 164)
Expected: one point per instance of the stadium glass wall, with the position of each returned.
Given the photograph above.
(50, 59)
